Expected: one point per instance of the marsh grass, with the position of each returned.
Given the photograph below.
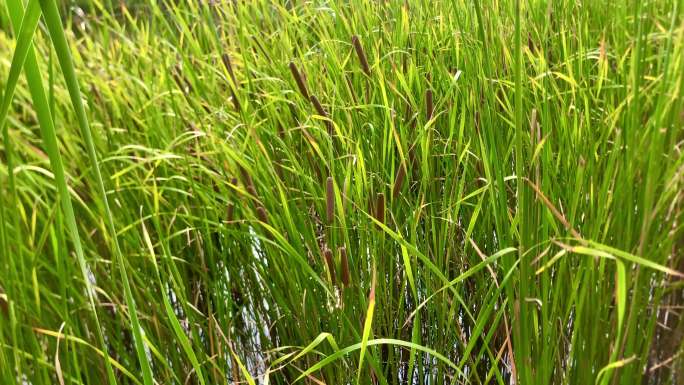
(341, 192)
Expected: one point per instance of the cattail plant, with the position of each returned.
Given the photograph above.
(380, 208)
(224, 269)
(344, 265)
(299, 80)
(248, 182)
(362, 56)
(261, 214)
(428, 105)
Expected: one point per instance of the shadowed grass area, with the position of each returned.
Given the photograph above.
(403, 192)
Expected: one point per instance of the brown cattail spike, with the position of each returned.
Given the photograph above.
(380, 208)
(399, 181)
(362, 56)
(299, 80)
(344, 265)
(328, 254)
(246, 179)
(330, 200)
(428, 104)
(318, 106)
(261, 214)
(234, 182)
(248, 182)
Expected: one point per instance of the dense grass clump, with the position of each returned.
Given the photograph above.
(337, 192)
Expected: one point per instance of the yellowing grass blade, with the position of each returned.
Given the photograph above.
(367, 326)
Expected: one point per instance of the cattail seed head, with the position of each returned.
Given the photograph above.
(330, 200)
(344, 265)
(248, 182)
(428, 105)
(380, 208)
(261, 214)
(362, 56)
(318, 106)
(328, 254)
(301, 84)
(246, 178)
(398, 181)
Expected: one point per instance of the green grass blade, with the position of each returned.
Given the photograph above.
(41, 106)
(375, 342)
(54, 25)
(367, 327)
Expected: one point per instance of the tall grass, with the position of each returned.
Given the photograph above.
(341, 192)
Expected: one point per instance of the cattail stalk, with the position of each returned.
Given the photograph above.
(351, 89)
(328, 254)
(362, 56)
(299, 80)
(330, 200)
(321, 111)
(344, 265)
(229, 67)
(181, 81)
